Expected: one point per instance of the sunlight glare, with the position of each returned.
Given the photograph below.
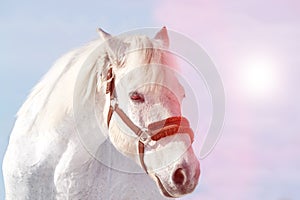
(259, 77)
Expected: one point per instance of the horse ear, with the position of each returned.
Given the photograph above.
(103, 35)
(115, 47)
(163, 36)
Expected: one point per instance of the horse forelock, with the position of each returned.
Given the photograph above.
(147, 61)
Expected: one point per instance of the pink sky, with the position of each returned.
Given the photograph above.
(256, 157)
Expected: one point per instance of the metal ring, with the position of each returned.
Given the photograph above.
(144, 137)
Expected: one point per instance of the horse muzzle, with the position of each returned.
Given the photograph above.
(182, 181)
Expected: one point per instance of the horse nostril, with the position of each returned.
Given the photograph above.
(178, 176)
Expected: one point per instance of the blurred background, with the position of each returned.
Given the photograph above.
(254, 44)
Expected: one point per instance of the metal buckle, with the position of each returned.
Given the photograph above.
(113, 103)
(144, 137)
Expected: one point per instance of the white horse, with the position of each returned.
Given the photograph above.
(55, 148)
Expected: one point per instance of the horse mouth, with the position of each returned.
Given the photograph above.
(162, 188)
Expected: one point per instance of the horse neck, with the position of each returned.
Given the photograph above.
(50, 104)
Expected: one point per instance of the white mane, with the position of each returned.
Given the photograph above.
(53, 95)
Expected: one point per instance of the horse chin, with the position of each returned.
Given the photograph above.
(163, 189)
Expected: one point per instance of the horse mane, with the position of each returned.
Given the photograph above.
(52, 98)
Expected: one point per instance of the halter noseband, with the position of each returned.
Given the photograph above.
(155, 131)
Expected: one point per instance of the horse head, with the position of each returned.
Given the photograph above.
(143, 110)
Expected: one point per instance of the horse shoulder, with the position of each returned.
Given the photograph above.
(28, 166)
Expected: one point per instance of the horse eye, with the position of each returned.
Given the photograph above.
(137, 97)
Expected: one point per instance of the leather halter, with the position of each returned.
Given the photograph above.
(155, 131)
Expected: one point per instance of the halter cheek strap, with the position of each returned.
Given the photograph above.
(155, 131)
